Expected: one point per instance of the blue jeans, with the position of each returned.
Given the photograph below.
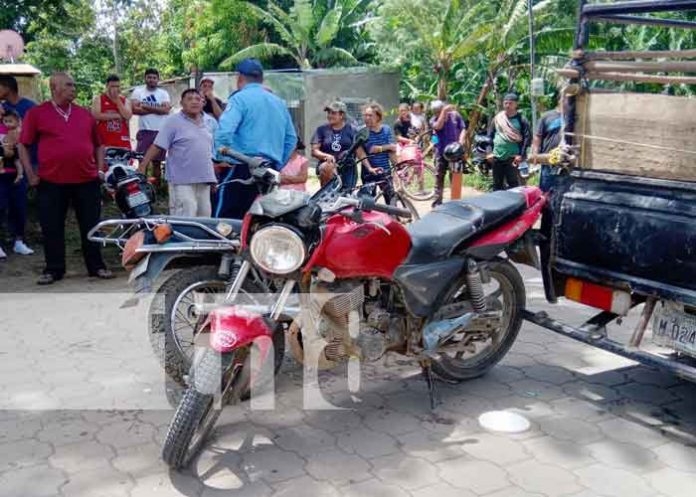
(545, 178)
(13, 204)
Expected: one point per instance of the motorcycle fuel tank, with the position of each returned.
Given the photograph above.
(373, 248)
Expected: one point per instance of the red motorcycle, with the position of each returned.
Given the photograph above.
(436, 290)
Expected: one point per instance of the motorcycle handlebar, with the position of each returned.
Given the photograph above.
(252, 162)
(370, 205)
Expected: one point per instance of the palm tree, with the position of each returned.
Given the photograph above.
(308, 33)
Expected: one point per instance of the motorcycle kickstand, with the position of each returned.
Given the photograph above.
(430, 381)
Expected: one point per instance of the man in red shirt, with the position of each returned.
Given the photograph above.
(69, 154)
(113, 112)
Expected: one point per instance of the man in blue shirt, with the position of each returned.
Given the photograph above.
(256, 123)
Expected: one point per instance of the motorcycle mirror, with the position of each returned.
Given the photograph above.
(362, 135)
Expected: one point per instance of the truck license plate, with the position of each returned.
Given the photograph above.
(675, 329)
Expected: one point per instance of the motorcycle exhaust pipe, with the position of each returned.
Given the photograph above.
(438, 332)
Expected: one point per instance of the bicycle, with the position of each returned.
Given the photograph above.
(415, 176)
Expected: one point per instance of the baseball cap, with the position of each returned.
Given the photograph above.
(207, 78)
(512, 97)
(250, 67)
(436, 105)
(336, 106)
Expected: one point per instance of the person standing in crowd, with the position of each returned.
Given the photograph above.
(381, 146)
(13, 187)
(294, 175)
(69, 155)
(449, 127)
(189, 172)
(403, 127)
(151, 104)
(419, 120)
(213, 106)
(330, 141)
(256, 123)
(112, 112)
(509, 134)
(548, 137)
(11, 100)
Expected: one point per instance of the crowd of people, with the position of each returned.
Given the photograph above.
(58, 148)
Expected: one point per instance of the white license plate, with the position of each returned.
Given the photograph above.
(139, 269)
(137, 199)
(675, 329)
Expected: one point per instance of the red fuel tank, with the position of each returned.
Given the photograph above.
(374, 248)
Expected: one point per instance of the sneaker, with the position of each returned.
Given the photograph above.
(3, 255)
(21, 248)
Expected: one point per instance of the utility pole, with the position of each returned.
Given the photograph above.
(532, 96)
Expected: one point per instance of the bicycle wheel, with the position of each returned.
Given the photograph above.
(400, 200)
(418, 182)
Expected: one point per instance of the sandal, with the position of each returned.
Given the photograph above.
(47, 279)
(103, 274)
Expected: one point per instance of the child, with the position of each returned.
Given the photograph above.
(294, 175)
(13, 187)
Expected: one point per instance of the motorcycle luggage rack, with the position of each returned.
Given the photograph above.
(118, 231)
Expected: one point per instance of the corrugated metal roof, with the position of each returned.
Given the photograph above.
(19, 69)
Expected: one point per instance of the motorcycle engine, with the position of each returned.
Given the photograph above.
(343, 326)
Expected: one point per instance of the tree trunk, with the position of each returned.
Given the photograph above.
(442, 80)
(114, 46)
(475, 114)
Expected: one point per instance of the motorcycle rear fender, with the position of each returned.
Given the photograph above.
(500, 239)
(233, 327)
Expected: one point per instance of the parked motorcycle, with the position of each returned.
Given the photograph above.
(436, 290)
(133, 194)
(478, 156)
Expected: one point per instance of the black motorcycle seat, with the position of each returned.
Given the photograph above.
(194, 231)
(439, 232)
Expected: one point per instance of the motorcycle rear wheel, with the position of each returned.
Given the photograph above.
(510, 288)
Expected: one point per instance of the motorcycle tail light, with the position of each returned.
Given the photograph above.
(162, 232)
(131, 256)
(132, 187)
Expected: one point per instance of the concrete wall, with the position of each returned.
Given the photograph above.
(354, 87)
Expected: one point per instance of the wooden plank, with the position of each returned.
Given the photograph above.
(638, 78)
(638, 134)
(661, 66)
(636, 54)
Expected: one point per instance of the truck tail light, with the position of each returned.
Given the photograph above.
(601, 297)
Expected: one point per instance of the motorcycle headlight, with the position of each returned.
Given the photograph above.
(277, 250)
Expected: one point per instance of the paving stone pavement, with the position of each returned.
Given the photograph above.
(600, 425)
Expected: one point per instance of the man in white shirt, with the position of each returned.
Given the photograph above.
(151, 104)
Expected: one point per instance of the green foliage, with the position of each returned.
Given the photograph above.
(313, 33)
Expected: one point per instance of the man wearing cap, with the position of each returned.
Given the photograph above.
(329, 142)
(213, 105)
(449, 127)
(256, 123)
(510, 136)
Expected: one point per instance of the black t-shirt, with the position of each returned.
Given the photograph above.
(333, 141)
(208, 107)
(403, 128)
(549, 129)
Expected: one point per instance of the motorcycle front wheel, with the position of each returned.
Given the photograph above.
(174, 317)
(503, 292)
(197, 412)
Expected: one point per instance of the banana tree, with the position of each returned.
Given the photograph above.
(307, 33)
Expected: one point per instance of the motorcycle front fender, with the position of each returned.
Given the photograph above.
(234, 327)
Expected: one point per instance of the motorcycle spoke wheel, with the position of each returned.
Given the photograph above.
(505, 292)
